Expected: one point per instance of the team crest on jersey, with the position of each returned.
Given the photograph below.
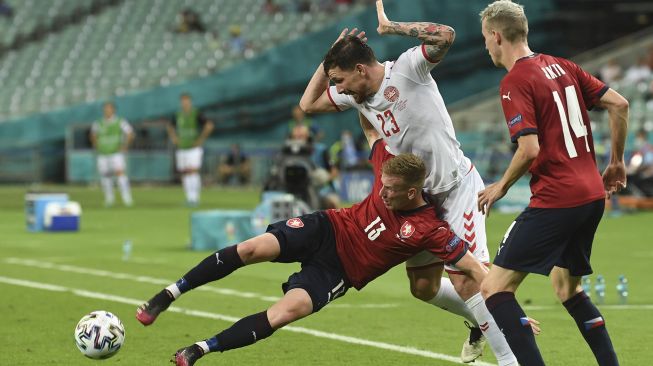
(407, 229)
(295, 223)
(453, 244)
(391, 93)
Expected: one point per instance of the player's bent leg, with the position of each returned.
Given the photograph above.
(218, 265)
(588, 318)
(294, 305)
(498, 290)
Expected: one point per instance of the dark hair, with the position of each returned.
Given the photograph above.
(347, 53)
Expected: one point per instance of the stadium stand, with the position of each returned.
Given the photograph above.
(132, 46)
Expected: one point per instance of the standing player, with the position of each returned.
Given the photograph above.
(544, 99)
(338, 249)
(401, 100)
(188, 132)
(110, 138)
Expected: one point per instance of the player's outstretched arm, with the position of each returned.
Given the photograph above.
(614, 176)
(315, 98)
(472, 267)
(437, 38)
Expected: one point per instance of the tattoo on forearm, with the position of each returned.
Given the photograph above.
(437, 37)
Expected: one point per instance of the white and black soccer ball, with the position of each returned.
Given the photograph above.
(99, 335)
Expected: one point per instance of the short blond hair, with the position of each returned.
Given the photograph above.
(407, 166)
(508, 18)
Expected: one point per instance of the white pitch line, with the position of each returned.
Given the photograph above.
(227, 318)
(608, 307)
(164, 282)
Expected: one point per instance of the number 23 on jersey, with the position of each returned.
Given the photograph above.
(388, 119)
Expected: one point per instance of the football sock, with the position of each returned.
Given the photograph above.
(195, 187)
(592, 327)
(242, 333)
(185, 182)
(214, 267)
(107, 187)
(448, 299)
(125, 192)
(492, 333)
(516, 327)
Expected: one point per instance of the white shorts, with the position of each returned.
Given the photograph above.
(189, 158)
(459, 208)
(109, 164)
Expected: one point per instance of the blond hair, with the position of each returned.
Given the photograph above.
(407, 166)
(507, 18)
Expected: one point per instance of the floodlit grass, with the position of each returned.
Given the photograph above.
(37, 325)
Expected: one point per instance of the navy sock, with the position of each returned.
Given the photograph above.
(515, 326)
(214, 267)
(592, 327)
(242, 333)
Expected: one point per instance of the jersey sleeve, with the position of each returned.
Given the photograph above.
(444, 244)
(415, 64)
(342, 102)
(591, 87)
(518, 107)
(126, 127)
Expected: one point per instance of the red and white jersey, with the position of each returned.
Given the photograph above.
(549, 96)
(410, 115)
(371, 239)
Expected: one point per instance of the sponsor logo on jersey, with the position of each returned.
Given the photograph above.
(407, 229)
(391, 94)
(506, 96)
(453, 244)
(514, 120)
(295, 223)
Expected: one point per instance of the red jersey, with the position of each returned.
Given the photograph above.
(371, 239)
(549, 96)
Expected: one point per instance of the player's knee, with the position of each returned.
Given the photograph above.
(281, 317)
(487, 289)
(423, 289)
(565, 291)
(246, 251)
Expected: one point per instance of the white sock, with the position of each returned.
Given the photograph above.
(125, 192)
(174, 290)
(186, 182)
(107, 188)
(196, 187)
(448, 299)
(491, 331)
(204, 346)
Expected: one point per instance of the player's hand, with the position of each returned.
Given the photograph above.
(614, 178)
(383, 19)
(488, 196)
(353, 32)
(534, 326)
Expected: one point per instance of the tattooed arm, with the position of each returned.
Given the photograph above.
(437, 38)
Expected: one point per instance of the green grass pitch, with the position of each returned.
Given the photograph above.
(36, 324)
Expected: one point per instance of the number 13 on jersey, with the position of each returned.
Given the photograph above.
(575, 120)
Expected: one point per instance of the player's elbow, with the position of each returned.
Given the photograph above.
(306, 107)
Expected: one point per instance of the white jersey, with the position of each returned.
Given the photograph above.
(410, 115)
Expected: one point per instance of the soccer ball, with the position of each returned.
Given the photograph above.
(99, 335)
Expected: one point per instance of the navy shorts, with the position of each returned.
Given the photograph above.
(311, 242)
(541, 238)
